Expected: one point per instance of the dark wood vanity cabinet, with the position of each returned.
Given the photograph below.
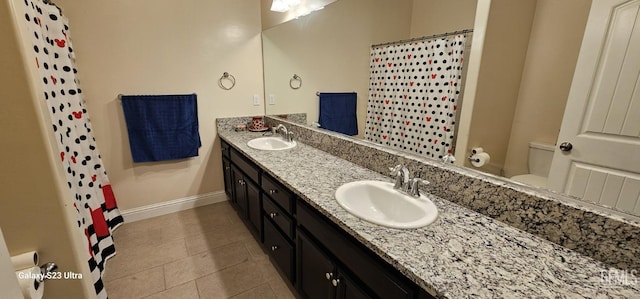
(318, 257)
(280, 249)
(228, 183)
(244, 177)
(238, 197)
(254, 209)
(319, 276)
(375, 277)
(247, 198)
(279, 225)
(279, 194)
(226, 169)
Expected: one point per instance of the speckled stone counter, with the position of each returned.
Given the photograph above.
(613, 239)
(463, 254)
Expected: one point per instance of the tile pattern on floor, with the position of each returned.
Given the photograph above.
(205, 252)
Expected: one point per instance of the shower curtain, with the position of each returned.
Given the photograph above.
(93, 197)
(413, 95)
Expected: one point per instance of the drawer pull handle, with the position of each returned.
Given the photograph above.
(273, 191)
(335, 282)
(227, 168)
(328, 275)
(273, 215)
(274, 247)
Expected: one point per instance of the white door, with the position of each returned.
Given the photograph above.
(8, 282)
(602, 118)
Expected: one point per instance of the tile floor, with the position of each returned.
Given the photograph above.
(206, 252)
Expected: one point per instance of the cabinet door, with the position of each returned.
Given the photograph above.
(379, 279)
(347, 288)
(254, 208)
(239, 196)
(228, 180)
(314, 269)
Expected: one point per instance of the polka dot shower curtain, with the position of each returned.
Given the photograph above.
(93, 197)
(413, 94)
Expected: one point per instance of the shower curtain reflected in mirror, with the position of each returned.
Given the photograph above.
(413, 95)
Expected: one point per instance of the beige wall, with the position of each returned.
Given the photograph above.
(439, 16)
(555, 41)
(329, 50)
(32, 213)
(505, 47)
(165, 47)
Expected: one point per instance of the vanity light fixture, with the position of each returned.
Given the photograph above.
(283, 5)
(279, 6)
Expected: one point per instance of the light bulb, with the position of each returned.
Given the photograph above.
(279, 6)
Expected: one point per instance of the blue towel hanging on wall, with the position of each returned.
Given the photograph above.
(162, 127)
(338, 112)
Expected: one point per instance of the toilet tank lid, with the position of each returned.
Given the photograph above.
(542, 146)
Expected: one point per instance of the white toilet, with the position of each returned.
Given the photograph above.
(540, 157)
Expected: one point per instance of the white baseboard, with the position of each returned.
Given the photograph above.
(159, 209)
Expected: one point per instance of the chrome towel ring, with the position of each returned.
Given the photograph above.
(293, 84)
(227, 77)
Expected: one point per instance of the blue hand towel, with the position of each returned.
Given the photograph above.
(338, 112)
(162, 127)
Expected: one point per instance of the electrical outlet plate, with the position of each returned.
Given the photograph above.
(272, 99)
(256, 100)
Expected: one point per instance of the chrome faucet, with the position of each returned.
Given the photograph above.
(286, 135)
(406, 184)
(282, 128)
(401, 174)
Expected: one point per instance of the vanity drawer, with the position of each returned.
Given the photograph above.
(279, 217)
(279, 249)
(278, 193)
(249, 169)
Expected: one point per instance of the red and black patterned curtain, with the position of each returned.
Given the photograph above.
(86, 177)
(413, 95)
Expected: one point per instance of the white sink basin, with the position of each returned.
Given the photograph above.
(379, 203)
(271, 144)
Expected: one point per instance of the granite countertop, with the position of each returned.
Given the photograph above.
(463, 254)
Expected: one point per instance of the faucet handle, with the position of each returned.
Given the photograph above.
(414, 187)
(394, 170)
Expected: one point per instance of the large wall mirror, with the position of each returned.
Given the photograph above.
(519, 72)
